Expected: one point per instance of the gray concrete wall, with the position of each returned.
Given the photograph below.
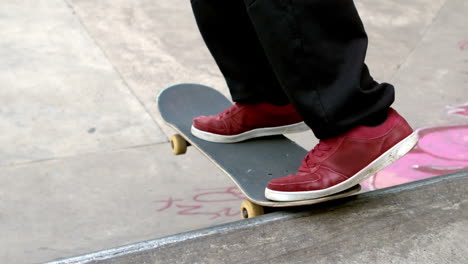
(420, 222)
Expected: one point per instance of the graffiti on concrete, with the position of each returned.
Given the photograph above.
(440, 150)
(463, 45)
(212, 203)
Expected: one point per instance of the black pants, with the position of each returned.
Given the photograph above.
(306, 52)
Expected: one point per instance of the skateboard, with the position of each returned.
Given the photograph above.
(250, 164)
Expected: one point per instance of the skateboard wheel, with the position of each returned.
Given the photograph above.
(178, 144)
(250, 210)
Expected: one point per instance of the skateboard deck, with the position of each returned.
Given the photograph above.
(250, 164)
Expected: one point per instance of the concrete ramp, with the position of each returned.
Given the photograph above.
(419, 222)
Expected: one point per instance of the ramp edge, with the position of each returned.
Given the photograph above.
(243, 224)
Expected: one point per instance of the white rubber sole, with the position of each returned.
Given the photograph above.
(390, 156)
(259, 132)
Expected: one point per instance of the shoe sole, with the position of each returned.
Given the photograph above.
(259, 132)
(387, 158)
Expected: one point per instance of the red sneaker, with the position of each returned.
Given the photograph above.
(339, 163)
(244, 121)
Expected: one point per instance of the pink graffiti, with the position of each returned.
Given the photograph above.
(463, 44)
(460, 110)
(168, 203)
(203, 203)
(440, 150)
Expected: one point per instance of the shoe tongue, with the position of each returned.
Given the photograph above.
(326, 144)
(323, 145)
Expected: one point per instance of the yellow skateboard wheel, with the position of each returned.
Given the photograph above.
(178, 144)
(250, 210)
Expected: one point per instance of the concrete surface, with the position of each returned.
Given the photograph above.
(84, 153)
(420, 222)
(153, 44)
(435, 74)
(60, 96)
(395, 29)
(72, 205)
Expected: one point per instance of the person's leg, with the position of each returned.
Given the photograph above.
(232, 41)
(317, 49)
(262, 108)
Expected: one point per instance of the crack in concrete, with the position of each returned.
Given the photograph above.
(419, 43)
(26, 163)
(114, 67)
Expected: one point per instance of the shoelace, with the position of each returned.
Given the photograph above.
(227, 111)
(318, 151)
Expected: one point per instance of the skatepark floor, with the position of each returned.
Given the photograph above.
(85, 162)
